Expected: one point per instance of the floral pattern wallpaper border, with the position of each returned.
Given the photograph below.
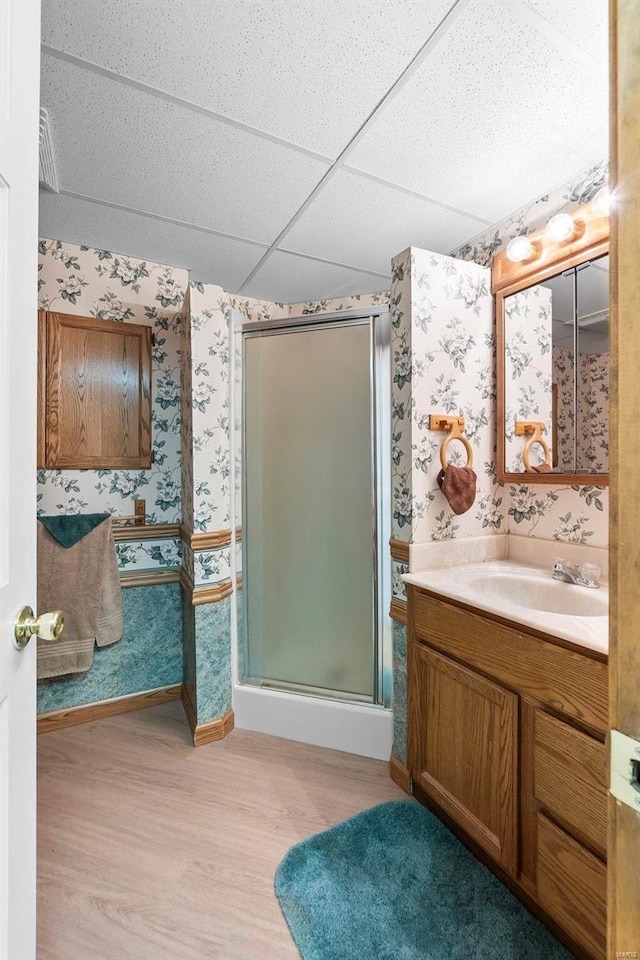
(149, 555)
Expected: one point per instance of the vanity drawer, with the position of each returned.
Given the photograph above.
(570, 778)
(569, 682)
(572, 886)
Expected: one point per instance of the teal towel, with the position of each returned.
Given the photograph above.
(68, 530)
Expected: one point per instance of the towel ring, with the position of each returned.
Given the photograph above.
(532, 429)
(455, 434)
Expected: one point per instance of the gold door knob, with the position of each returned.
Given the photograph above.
(48, 626)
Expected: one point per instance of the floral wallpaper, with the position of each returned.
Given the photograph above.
(210, 316)
(539, 510)
(340, 303)
(575, 514)
(565, 198)
(87, 282)
(186, 413)
(398, 586)
(209, 409)
(593, 412)
(528, 371)
(563, 371)
(402, 505)
(442, 340)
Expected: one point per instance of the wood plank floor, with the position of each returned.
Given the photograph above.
(149, 849)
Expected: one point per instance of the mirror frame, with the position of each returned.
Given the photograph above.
(548, 259)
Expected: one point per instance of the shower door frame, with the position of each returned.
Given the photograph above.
(378, 321)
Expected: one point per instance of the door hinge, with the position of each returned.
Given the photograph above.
(153, 456)
(624, 766)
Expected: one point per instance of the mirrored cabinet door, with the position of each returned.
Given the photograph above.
(592, 382)
(555, 363)
(539, 340)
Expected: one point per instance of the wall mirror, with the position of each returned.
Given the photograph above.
(553, 362)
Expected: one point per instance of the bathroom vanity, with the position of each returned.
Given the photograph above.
(506, 729)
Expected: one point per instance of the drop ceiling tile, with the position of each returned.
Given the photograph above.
(307, 72)
(287, 278)
(117, 143)
(210, 259)
(364, 223)
(495, 116)
(586, 22)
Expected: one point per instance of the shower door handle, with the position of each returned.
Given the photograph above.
(48, 626)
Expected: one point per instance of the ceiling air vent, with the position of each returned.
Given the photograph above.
(48, 175)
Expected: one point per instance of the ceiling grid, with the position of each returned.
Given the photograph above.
(267, 152)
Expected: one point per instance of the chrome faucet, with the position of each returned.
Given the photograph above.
(585, 575)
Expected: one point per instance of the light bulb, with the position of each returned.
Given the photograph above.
(519, 249)
(560, 227)
(602, 203)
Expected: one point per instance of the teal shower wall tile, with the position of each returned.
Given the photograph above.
(400, 691)
(189, 646)
(213, 659)
(149, 654)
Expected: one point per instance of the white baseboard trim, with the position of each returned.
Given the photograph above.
(364, 730)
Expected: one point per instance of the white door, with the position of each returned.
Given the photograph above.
(19, 98)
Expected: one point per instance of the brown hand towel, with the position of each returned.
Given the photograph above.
(459, 487)
(541, 468)
(84, 582)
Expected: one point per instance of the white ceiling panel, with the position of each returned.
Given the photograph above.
(116, 143)
(287, 278)
(585, 22)
(495, 116)
(210, 258)
(365, 223)
(309, 72)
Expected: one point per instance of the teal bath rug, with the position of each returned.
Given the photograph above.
(394, 883)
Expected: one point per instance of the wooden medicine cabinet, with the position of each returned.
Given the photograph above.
(94, 393)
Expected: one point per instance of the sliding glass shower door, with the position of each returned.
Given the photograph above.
(310, 509)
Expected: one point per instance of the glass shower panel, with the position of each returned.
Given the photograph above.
(309, 512)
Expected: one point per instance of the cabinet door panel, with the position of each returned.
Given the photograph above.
(94, 393)
(463, 750)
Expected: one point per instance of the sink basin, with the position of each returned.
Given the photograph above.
(538, 593)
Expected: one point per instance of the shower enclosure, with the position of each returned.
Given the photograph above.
(312, 493)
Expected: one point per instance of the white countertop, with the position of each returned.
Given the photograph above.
(478, 585)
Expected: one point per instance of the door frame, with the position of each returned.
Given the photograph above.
(623, 894)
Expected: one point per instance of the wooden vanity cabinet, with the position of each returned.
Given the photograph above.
(506, 738)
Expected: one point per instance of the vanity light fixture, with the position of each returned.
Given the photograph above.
(519, 249)
(602, 203)
(560, 227)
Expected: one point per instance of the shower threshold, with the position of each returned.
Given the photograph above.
(306, 690)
